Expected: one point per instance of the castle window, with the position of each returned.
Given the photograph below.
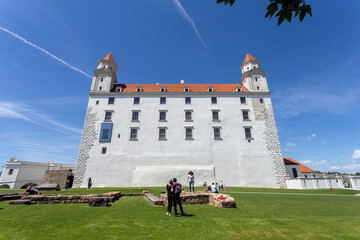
(162, 133)
(245, 114)
(261, 100)
(214, 100)
(103, 151)
(135, 116)
(242, 100)
(163, 100)
(105, 133)
(257, 87)
(111, 100)
(256, 79)
(162, 116)
(217, 135)
(138, 89)
(210, 89)
(238, 89)
(188, 100)
(11, 171)
(162, 89)
(186, 89)
(97, 102)
(101, 80)
(247, 132)
(188, 116)
(215, 115)
(133, 134)
(189, 133)
(100, 88)
(119, 89)
(108, 116)
(136, 100)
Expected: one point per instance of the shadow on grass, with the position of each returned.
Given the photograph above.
(188, 215)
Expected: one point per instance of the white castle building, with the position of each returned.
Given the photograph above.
(144, 134)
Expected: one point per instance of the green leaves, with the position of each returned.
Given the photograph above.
(231, 2)
(283, 9)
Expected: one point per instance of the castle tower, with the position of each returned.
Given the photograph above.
(253, 78)
(105, 75)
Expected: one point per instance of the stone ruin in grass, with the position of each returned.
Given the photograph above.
(215, 199)
(103, 200)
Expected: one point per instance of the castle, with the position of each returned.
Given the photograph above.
(144, 134)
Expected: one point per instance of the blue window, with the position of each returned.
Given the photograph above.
(105, 134)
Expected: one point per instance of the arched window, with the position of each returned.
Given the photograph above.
(138, 89)
(163, 89)
(210, 89)
(239, 89)
(186, 89)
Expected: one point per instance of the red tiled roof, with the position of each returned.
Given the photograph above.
(303, 168)
(109, 57)
(180, 87)
(249, 57)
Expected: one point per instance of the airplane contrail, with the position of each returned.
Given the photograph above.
(186, 16)
(44, 51)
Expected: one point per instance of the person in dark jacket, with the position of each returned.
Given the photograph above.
(176, 190)
(169, 195)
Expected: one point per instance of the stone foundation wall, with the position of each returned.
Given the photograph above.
(67, 199)
(204, 198)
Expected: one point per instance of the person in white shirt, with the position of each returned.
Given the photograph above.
(191, 180)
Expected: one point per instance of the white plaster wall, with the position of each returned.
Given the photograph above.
(236, 161)
(290, 172)
(355, 182)
(314, 183)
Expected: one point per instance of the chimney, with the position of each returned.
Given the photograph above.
(182, 81)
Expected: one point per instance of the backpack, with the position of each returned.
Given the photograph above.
(178, 189)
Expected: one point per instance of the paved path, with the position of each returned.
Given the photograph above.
(301, 194)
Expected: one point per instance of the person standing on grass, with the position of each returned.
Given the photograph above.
(176, 190)
(67, 184)
(191, 180)
(205, 184)
(169, 195)
(89, 183)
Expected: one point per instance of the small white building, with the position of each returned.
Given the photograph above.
(295, 169)
(302, 177)
(21, 174)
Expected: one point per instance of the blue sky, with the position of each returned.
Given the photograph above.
(312, 68)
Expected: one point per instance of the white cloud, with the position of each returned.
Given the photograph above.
(187, 18)
(290, 144)
(351, 167)
(313, 163)
(356, 155)
(286, 150)
(44, 51)
(334, 168)
(20, 111)
(311, 136)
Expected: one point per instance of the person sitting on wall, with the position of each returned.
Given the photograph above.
(213, 188)
(32, 190)
(205, 184)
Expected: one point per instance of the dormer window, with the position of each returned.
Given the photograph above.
(239, 89)
(210, 89)
(119, 89)
(186, 89)
(162, 89)
(138, 89)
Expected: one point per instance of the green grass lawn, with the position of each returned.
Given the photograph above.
(257, 216)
